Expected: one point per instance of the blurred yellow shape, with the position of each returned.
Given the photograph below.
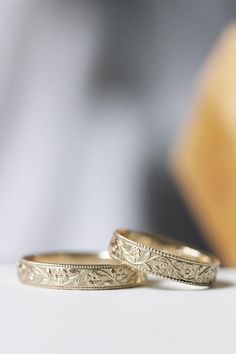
(204, 162)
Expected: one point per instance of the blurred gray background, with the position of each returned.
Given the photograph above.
(92, 94)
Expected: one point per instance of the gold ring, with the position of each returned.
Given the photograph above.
(165, 257)
(77, 271)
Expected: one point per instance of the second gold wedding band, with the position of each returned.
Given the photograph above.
(96, 271)
(164, 257)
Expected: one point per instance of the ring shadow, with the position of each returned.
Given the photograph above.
(177, 286)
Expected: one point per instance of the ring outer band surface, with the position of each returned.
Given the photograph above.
(83, 271)
(163, 257)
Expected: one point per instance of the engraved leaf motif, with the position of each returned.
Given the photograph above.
(58, 276)
(131, 253)
(74, 275)
(161, 265)
(123, 275)
(37, 275)
(185, 270)
(146, 256)
(79, 278)
(106, 277)
(207, 274)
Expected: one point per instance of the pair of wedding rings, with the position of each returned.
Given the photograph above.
(131, 256)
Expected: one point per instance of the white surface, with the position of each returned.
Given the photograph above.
(164, 318)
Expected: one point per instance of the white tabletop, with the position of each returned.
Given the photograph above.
(165, 317)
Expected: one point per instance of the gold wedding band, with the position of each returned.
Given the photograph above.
(77, 271)
(164, 257)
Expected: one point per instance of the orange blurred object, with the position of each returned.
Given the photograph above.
(204, 162)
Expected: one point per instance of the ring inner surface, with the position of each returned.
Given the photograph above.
(166, 245)
(73, 258)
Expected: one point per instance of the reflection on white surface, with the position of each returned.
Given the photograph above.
(88, 322)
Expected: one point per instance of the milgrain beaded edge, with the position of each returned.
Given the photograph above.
(136, 267)
(141, 278)
(67, 265)
(214, 265)
(215, 262)
(131, 285)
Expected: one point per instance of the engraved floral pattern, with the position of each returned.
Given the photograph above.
(93, 278)
(58, 275)
(115, 247)
(122, 274)
(207, 274)
(185, 270)
(132, 254)
(73, 277)
(162, 264)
